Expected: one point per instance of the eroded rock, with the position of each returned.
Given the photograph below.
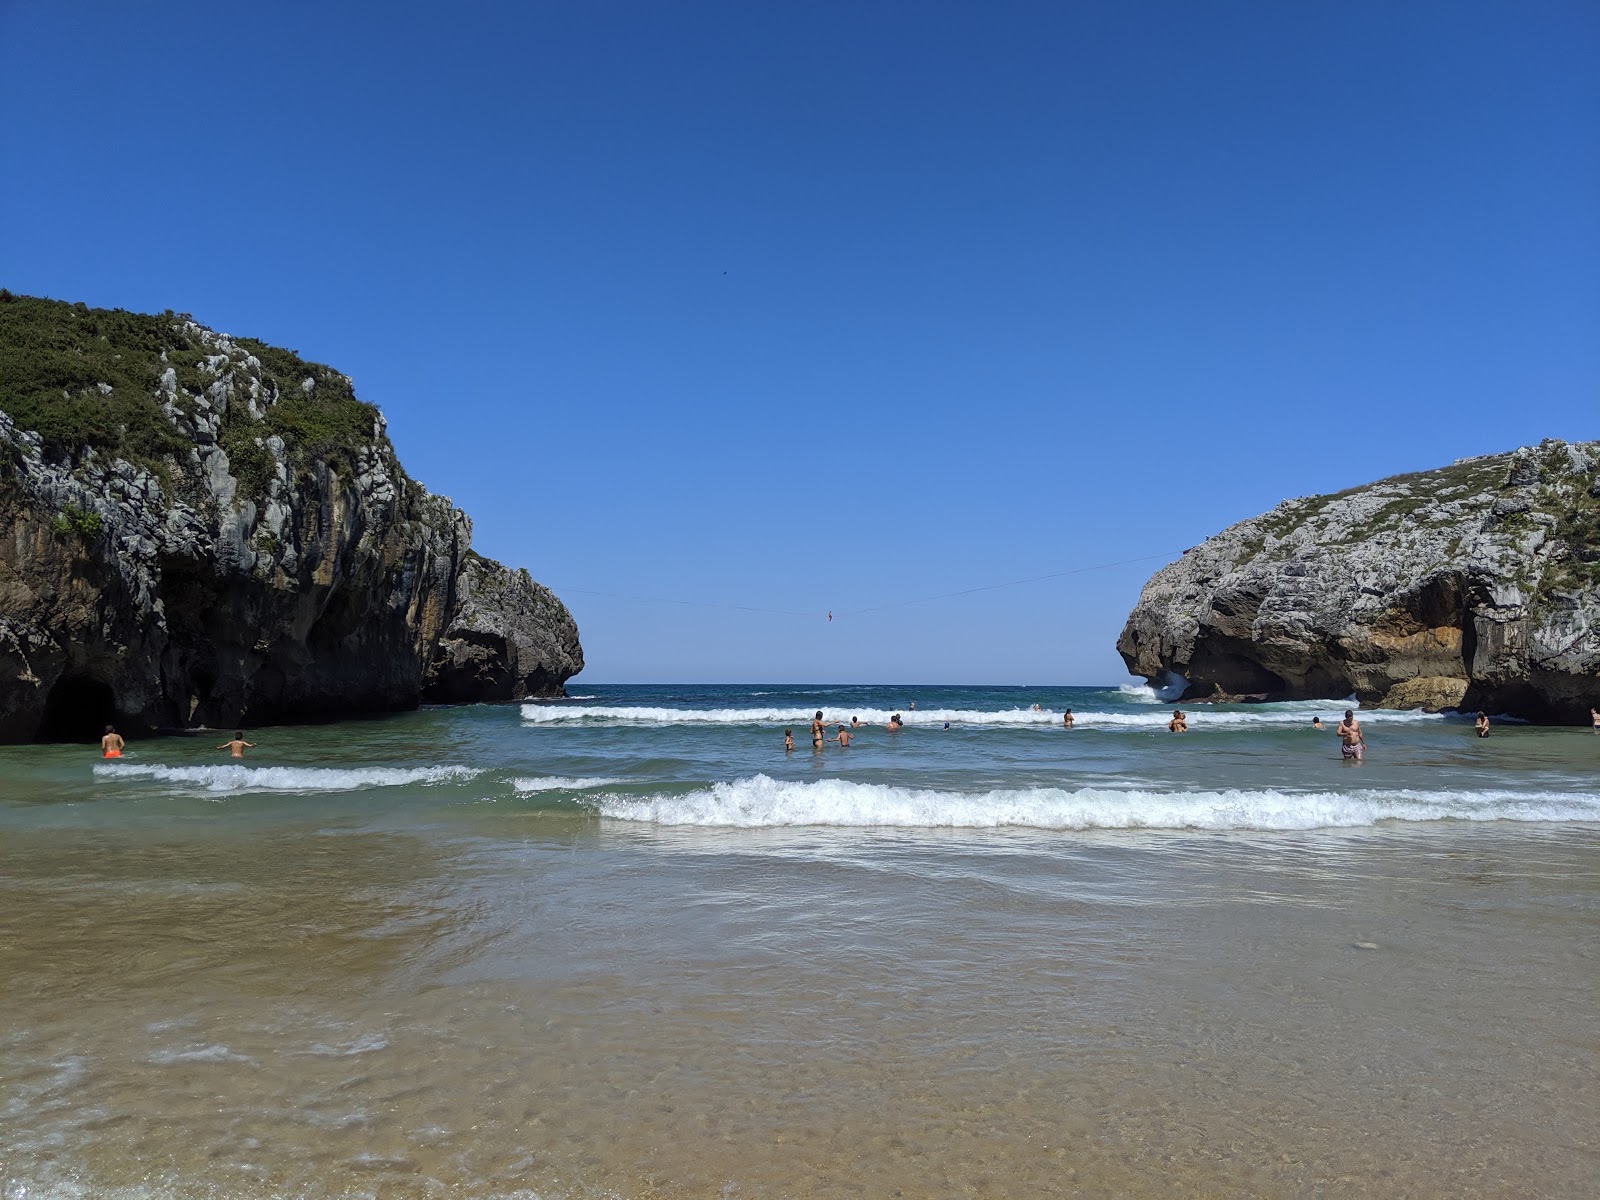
(1476, 585)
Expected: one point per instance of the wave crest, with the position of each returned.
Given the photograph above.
(760, 802)
(1293, 713)
(235, 779)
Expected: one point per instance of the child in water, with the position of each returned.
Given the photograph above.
(788, 739)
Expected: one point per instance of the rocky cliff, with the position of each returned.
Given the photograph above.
(1474, 586)
(204, 530)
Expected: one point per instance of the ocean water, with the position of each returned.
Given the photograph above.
(624, 945)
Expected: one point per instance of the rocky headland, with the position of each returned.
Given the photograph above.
(201, 530)
(1474, 586)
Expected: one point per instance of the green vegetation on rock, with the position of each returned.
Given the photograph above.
(90, 379)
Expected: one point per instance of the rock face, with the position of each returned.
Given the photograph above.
(509, 638)
(221, 534)
(1474, 586)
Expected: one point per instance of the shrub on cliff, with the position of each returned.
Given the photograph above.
(89, 378)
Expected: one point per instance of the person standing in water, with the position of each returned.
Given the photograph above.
(788, 740)
(844, 737)
(1482, 725)
(1352, 743)
(816, 731)
(1316, 723)
(1594, 716)
(895, 723)
(238, 745)
(1066, 719)
(111, 744)
(1179, 722)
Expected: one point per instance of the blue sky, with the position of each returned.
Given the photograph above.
(834, 306)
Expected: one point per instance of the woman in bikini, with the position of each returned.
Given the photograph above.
(816, 731)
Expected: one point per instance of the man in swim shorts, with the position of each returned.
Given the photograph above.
(816, 731)
(238, 745)
(1352, 744)
(111, 744)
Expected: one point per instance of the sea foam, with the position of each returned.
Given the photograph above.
(1287, 714)
(235, 778)
(760, 801)
(561, 783)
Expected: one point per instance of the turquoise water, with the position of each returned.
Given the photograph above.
(713, 755)
(625, 945)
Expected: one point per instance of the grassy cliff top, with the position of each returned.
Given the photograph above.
(91, 378)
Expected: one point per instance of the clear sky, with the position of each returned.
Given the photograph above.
(821, 306)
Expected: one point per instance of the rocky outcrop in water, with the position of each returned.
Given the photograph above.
(1474, 586)
(203, 530)
(509, 638)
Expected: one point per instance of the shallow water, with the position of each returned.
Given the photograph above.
(567, 951)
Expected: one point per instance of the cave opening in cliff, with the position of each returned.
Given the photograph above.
(78, 709)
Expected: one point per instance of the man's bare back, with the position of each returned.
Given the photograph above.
(237, 746)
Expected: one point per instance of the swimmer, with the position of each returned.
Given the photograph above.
(1316, 723)
(816, 731)
(1179, 722)
(111, 744)
(788, 740)
(1036, 708)
(843, 737)
(896, 724)
(1482, 725)
(238, 745)
(855, 723)
(912, 706)
(1352, 743)
(1066, 719)
(1594, 716)
(947, 724)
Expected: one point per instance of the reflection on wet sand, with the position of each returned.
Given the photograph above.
(587, 1009)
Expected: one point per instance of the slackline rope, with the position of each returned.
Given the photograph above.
(853, 612)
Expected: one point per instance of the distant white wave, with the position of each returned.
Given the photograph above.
(1297, 712)
(235, 778)
(760, 801)
(562, 783)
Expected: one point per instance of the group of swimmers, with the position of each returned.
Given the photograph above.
(1352, 740)
(111, 744)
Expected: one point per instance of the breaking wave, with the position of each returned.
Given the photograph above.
(233, 779)
(760, 801)
(561, 783)
(1298, 712)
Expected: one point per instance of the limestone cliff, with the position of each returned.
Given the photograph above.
(204, 530)
(509, 638)
(1476, 585)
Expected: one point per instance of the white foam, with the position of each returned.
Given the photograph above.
(1202, 717)
(561, 783)
(760, 801)
(206, 1054)
(367, 1043)
(234, 778)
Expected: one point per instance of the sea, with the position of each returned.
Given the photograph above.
(625, 945)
